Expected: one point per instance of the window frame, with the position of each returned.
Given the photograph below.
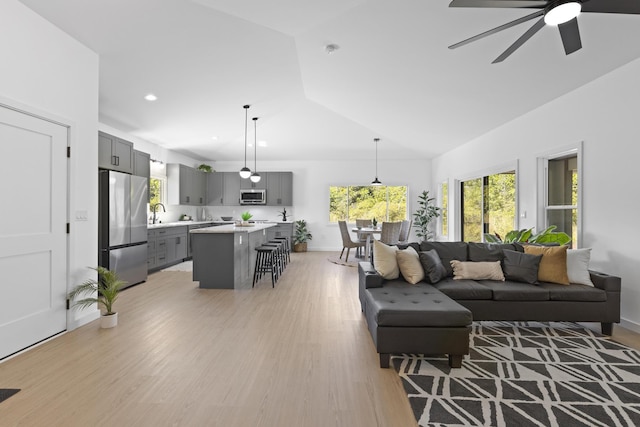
(543, 187)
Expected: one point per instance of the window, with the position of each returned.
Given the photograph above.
(157, 183)
(561, 207)
(385, 203)
(488, 206)
(444, 209)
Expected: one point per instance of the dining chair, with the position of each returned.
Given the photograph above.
(362, 237)
(405, 230)
(347, 243)
(390, 232)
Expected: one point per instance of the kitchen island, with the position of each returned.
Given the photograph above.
(224, 256)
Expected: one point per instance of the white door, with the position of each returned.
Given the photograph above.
(33, 240)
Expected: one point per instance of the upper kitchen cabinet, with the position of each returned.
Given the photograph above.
(142, 167)
(114, 153)
(279, 188)
(223, 189)
(185, 185)
(248, 184)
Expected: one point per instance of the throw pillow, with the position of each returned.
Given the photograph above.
(447, 251)
(578, 266)
(384, 260)
(409, 264)
(521, 267)
(434, 271)
(553, 265)
(477, 270)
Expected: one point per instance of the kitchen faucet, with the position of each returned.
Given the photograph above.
(154, 208)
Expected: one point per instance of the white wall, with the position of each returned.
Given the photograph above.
(47, 72)
(311, 181)
(604, 115)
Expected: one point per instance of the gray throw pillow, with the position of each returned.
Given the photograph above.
(434, 270)
(521, 267)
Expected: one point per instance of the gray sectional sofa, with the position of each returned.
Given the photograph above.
(435, 318)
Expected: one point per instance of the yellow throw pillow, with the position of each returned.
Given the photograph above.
(410, 266)
(489, 270)
(384, 260)
(553, 265)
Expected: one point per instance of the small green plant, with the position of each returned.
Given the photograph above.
(205, 168)
(301, 234)
(426, 213)
(246, 216)
(103, 291)
(374, 222)
(546, 236)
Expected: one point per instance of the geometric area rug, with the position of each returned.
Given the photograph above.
(527, 374)
(6, 393)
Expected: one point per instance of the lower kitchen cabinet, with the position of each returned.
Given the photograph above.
(283, 229)
(166, 246)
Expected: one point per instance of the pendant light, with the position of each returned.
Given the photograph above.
(376, 181)
(255, 176)
(245, 172)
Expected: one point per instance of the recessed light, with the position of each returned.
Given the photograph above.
(215, 138)
(150, 97)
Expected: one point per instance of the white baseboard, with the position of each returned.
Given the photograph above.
(87, 316)
(628, 324)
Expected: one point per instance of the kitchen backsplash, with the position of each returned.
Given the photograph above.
(175, 212)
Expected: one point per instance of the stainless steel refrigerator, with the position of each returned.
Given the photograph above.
(122, 221)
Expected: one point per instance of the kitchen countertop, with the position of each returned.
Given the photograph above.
(183, 223)
(232, 228)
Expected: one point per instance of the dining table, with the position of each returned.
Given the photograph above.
(369, 232)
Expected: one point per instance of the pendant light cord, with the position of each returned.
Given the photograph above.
(377, 139)
(255, 145)
(246, 116)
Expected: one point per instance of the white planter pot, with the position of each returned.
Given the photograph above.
(109, 321)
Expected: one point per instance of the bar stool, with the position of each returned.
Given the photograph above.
(287, 247)
(266, 263)
(279, 254)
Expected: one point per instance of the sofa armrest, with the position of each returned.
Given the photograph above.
(605, 282)
(369, 277)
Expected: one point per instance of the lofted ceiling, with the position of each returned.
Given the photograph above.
(392, 77)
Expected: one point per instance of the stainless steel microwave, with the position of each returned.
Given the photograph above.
(253, 196)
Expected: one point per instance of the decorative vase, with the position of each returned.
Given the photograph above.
(108, 320)
(300, 247)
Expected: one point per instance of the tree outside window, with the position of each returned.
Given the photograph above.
(385, 203)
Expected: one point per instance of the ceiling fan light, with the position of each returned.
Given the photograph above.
(562, 13)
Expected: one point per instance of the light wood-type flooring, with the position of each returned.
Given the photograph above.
(296, 355)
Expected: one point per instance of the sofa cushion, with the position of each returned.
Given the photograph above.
(434, 271)
(553, 265)
(483, 252)
(463, 289)
(477, 270)
(521, 267)
(401, 304)
(578, 266)
(409, 265)
(516, 291)
(574, 292)
(447, 251)
(384, 260)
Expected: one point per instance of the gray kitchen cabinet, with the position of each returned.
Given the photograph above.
(223, 189)
(246, 184)
(195, 227)
(114, 153)
(279, 188)
(141, 167)
(166, 246)
(283, 229)
(185, 185)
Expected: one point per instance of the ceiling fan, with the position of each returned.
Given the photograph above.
(560, 13)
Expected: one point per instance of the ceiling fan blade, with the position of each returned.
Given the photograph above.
(539, 4)
(523, 38)
(612, 6)
(570, 34)
(497, 29)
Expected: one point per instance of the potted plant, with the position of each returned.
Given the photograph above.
(301, 236)
(245, 216)
(374, 222)
(205, 168)
(103, 292)
(426, 213)
(546, 236)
